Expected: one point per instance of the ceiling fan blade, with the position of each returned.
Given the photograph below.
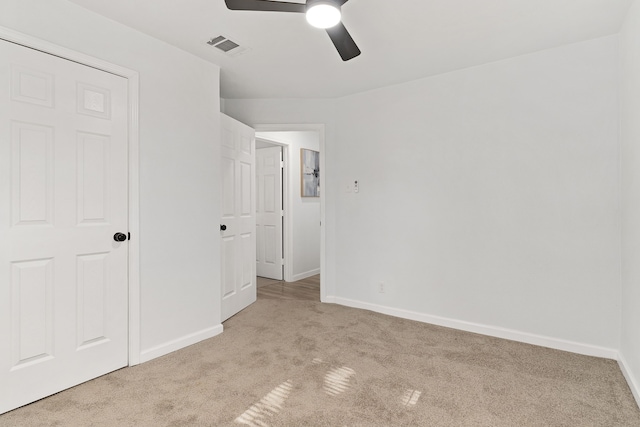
(265, 5)
(343, 41)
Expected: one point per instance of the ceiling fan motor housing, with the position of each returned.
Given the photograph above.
(336, 4)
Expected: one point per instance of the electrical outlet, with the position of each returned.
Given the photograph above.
(381, 287)
(356, 187)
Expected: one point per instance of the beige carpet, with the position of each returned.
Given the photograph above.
(298, 363)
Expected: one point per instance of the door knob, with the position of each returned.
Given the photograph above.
(223, 227)
(119, 237)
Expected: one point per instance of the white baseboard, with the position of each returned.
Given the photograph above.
(179, 343)
(493, 331)
(304, 275)
(634, 385)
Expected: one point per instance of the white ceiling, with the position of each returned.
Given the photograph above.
(401, 40)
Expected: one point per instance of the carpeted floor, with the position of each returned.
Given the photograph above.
(301, 363)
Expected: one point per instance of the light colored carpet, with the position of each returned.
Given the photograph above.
(301, 363)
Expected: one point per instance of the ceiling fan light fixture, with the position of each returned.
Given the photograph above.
(323, 14)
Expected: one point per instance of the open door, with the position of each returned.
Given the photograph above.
(238, 223)
(269, 213)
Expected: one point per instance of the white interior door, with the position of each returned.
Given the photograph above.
(63, 196)
(269, 213)
(238, 224)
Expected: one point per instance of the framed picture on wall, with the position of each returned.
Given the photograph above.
(309, 173)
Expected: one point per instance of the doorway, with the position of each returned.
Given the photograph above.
(303, 234)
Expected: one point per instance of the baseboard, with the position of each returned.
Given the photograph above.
(304, 275)
(179, 343)
(493, 331)
(330, 300)
(631, 379)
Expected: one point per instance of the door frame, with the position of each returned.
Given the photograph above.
(288, 223)
(133, 80)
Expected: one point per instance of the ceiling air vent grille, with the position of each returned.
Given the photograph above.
(227, 46)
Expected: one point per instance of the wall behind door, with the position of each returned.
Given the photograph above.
(306, 210)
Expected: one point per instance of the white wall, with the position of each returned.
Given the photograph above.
(630, 140)
(305, 211)
(179, 155)
(489, 197)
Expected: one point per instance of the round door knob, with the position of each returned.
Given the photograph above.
(223, 227)
(119, 237)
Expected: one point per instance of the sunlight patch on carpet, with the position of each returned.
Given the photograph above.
(268, 406)
(410, 397)
(336, 381)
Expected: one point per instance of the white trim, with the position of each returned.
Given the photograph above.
(634, 385)
(134, 221)
(180, 343)
(306, 274)
(492, 331)
(287, 228)
(320, 128)
(133, 133)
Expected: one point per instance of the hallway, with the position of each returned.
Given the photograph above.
(305, 290)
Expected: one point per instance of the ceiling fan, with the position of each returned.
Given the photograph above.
(324, 14)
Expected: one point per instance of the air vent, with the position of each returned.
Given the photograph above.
(227, 46)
